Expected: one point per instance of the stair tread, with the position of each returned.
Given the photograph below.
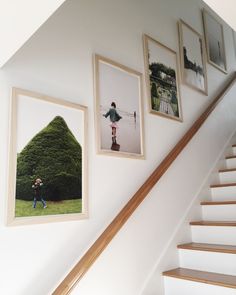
(218, 203)
(209, 247)
(213, 223)
(202, 277)
(227, 170)
(223, 185)
(230, 157)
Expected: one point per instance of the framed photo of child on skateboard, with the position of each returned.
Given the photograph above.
(47, 161)
(119, 117)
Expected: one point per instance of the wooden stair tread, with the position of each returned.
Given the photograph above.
(218, 203)
(223, 185)
(213, 223)
(234, 145)
(230, 157)
(209, 247)
(202, 277)
(227, 170)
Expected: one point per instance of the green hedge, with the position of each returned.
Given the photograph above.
(55, 156)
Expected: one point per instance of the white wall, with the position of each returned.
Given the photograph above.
(57, 61)
(227, 12)
(19, 20)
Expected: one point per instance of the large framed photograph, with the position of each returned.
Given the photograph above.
(119, 111)
(193, 60)
(162, 79)
(214, 36)
(48, 160)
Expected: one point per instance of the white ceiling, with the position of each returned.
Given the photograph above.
(226, 9)
(19, 19)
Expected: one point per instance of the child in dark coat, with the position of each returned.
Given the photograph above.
(37, 193)
(114, 117)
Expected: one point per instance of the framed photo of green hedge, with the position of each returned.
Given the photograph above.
(162, 79)
(47, 161)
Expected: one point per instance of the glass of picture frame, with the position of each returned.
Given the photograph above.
(193, 58)
(162, 79)
(215, 43)
(119, 109)
(48, 160)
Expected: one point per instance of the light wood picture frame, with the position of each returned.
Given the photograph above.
(162, 79)
(119, 109)
(193, 58)
(47, 160)
(215, 42)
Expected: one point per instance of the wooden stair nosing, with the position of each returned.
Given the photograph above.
(208, 247)
(230, 157)
(227, 170)
(210, 278)
(213, 223)
(223, 185)
(214, 203)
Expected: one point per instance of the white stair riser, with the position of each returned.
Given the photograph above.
(224, 235)
(175, 286)
(226, 193)
(234, 151)
(219, 212)
(231, 163)
(208, 261)
(227, 177)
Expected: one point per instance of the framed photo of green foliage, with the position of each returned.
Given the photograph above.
(48, 160)
(162, 79)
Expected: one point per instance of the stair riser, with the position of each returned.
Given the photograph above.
(224, 235)
(219, 212)
(234, 151)
(208, 261)
(227, 177)
(227, 193)
(231, 163)
(175, 286)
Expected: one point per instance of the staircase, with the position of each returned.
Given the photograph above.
(208, 264)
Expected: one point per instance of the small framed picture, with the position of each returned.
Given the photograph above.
(214, 36)
(193, 60)
(162, 79)
(119, 111)
(48, 160)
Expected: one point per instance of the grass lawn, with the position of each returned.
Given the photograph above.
(25, 208)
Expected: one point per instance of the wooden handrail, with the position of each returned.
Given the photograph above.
(102, 242)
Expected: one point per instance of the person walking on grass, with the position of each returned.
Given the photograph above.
(114, 117)
(37, 193)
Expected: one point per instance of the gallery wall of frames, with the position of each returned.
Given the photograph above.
(58, 134)
(90, 105)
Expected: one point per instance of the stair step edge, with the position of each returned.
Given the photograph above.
(210, 278)
(213, 203)
(223, 185)
(208, 247)
(227, 170)
(213, 223)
